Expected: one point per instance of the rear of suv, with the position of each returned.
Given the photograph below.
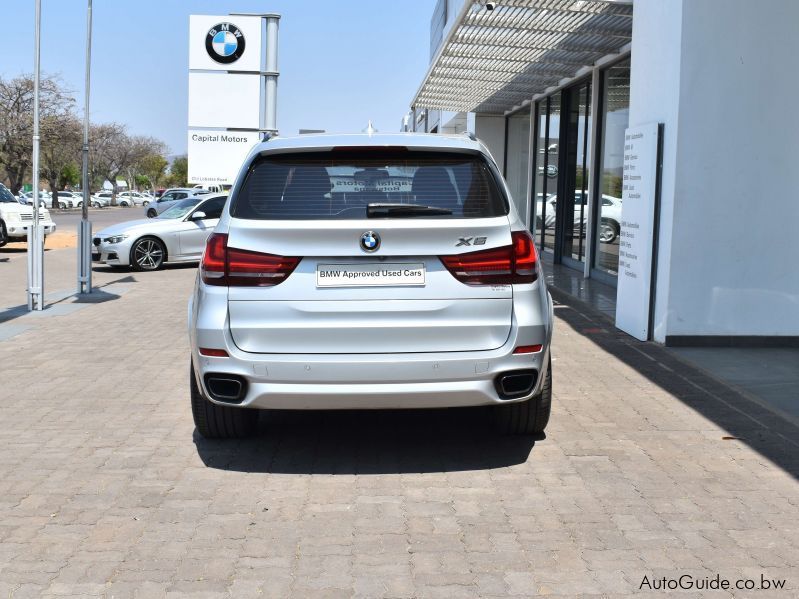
(367, 272)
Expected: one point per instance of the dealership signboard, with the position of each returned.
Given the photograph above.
(636, 238)
(232, 89)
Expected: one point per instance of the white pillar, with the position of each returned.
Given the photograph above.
(272, 23)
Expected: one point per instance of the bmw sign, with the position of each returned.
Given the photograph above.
(224, 43)
(370, 241)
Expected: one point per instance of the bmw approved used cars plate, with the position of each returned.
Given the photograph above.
(366, 275)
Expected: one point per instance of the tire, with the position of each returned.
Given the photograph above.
(527, 417)
(608, 231)
(62, 205)
(3, 234)
(145, 204)
(219, 422)
(147, 253)
(79, 205)
(95, 204)
(124, 203)
(152, 213)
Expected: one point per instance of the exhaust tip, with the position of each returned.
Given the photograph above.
(226, 388)
(517, 383)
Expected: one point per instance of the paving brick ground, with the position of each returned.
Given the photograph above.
(648, 469)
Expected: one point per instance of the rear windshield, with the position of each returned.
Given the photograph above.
(339, 185)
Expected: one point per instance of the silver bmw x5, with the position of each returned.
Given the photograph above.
(366, 272)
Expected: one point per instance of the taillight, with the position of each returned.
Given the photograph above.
(212, 267)
(232, 267)
(515, 263)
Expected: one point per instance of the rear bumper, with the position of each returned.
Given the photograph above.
(387, 381)
(367, 381)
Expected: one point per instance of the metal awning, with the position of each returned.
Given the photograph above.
(492, 61)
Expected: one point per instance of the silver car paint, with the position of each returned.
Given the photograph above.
(411, 351)
(184, 239)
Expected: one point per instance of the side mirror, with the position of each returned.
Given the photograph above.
(199, 215)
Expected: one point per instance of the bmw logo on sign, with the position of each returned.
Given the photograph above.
(370, 241)
(224, 43)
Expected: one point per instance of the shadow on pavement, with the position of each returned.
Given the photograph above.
(58, 304)
(767, 433)
(368, 442)
(119, 269)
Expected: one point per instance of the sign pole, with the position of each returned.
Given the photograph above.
(35, 232)
(272, 24)
(85, 226)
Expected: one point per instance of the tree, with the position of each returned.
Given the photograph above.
(70, 176)
(152, 168)
(62, 139)
(113, 153)
(16, 121)
(179, 172)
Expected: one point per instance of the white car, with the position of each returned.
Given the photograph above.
(177, 235)
(101, 199)
(15, 218)
(45, 199)
(131, 198)
(610, 214)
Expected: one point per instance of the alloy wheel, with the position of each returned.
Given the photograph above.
(607, 232)
(148, 254)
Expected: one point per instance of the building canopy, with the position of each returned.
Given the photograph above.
(494, 60)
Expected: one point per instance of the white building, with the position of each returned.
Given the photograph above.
(709, 248)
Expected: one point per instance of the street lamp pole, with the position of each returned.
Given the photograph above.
(35, 232)
(85, 226)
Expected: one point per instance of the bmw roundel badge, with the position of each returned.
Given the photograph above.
(370, 241)
(224, 43)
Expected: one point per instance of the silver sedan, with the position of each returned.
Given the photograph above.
(177, 235)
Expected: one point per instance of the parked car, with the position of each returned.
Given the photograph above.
(45, 199)
(609, 226)
(177, 235)
(169, 198)
(131, 198)
(15, 218)
(68, 199)
(369, 271)
(101, 199)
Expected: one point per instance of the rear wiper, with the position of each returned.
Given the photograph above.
(387, 210)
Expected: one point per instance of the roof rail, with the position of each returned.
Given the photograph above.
(470, 135)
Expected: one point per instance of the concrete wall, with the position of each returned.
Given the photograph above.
(719, 74)
(654, 97)
(490, 130)
(736, 175)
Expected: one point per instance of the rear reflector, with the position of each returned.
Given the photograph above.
(511, 264)
(222, 265)
(214, 353)
(527, 349)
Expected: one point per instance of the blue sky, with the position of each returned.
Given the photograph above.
(342, 62)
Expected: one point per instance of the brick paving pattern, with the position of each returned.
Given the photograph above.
(648, 469)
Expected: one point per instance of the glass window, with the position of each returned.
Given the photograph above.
(517, 159)
(546, 169)
(352, 184)
(180, 209)
(6, 196)
(576, 201)
(213, 207)
(615, 119)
